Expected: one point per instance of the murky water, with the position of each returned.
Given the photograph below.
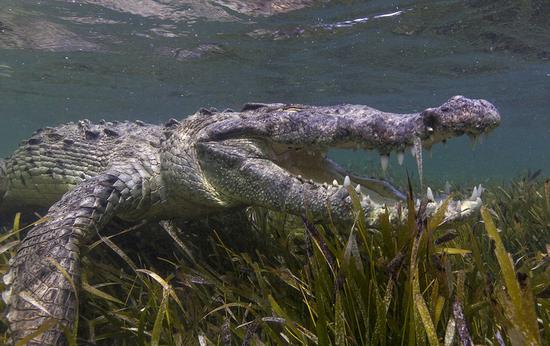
(152, 60)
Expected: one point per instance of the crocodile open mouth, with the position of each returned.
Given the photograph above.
(315, 165)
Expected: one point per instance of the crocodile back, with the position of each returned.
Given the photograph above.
(56, 159)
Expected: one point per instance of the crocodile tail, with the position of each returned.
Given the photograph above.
(38, 288)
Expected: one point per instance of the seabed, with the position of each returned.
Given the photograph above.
(274, 279)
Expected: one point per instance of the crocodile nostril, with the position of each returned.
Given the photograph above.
(430, 120)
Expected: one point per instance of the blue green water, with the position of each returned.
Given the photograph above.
(152, 60)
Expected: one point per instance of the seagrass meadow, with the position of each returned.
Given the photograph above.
(272, 279)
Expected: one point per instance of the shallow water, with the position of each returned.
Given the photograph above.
(106, 59)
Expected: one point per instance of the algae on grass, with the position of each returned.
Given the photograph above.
(281, 280)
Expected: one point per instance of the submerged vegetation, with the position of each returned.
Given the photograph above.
(277, 280)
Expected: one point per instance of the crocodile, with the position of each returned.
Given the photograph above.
(267, 155)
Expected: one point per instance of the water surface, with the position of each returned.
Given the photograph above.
(151, 60)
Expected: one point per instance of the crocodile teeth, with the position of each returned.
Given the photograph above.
(6, 296)
(11, 315)
(8, 278)
(400, 157)
(430, 194)
(447, 188)
(335, 182)
(358, 188)
(384, 161)
(418, 155)
(347, 181)
(366, 199)
(476, 192)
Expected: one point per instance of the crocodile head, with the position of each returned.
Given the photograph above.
(458, 116)
(275, 155)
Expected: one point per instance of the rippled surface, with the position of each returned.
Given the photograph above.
(152, 60)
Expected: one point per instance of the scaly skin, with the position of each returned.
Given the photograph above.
(266, 155)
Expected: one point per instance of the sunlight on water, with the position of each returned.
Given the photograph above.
(63, 61)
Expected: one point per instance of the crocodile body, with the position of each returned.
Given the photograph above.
(269, 155)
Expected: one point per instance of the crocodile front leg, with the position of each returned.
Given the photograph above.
(37, 290)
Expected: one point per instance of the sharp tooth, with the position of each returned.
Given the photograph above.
(358, 188)
(8, 278)
(430, 194)
(335, 182)
(12, 315)
(6, 296)
(418, 155)
(447, 188)
(413, 151)
(400, 157)
(384, 160)
(347, 181)
(474, 194)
